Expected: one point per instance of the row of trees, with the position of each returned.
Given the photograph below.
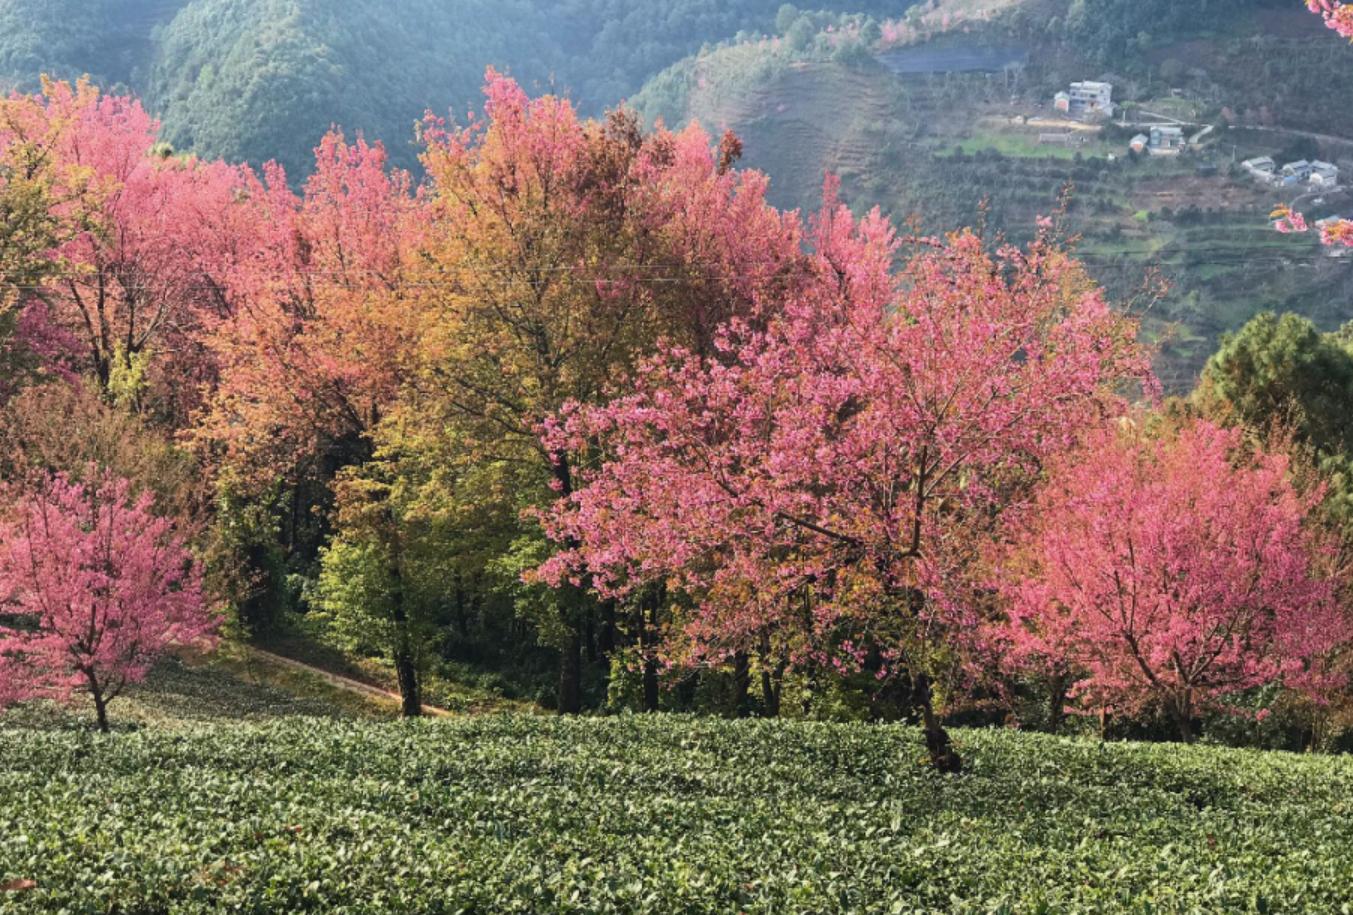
(585, 384)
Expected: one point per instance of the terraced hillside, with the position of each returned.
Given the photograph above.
(946, 149)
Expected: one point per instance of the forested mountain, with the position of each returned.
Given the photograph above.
(110, 40)
(257, 79)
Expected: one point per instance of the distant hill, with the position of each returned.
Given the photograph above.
(109, 40)
(259, 79)
(965, 133)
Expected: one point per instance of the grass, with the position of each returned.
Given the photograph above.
(231, 686)
(454, 687)
(239, 684)
(1025, 145)
(664, 814)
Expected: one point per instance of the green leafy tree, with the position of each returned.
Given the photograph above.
(1281, 374)
(380, 586)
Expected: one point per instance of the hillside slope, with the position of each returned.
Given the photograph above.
(111, 41)
(260, 79)
(932, 141)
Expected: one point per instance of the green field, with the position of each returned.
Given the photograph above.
(512, 814)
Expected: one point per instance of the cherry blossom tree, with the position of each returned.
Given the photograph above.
(309, 354)
(560, 250)
(822, 479)
(1171, 570)
(146, 237)
(95, 589)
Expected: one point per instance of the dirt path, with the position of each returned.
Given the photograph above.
(344, 683)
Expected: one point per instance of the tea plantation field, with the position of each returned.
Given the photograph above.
(516, 814)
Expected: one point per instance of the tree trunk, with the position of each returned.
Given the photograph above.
(942, 754)
(571, 674)
(650, 685)
(406, 672)
(1183, 719)
(648, 630)
(101, 710)
(1182, 708)
(770, 692)
(590, 639)
(742, 682)
(571, 652)
(606, 640)
(1056, 703)
(410, 692)
(772, 681)
(100, 700)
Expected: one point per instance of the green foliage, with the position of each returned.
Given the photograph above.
(1117, 31)
(59, 37)
(260, 79)
(659, 815)
(127, 376)
(1281, 374)
(106, 39)
(244, 560)
(383, 581)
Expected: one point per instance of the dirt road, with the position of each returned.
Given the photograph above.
(344, 683)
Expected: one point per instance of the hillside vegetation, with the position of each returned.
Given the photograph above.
(258, 79)
(947, 148)
(109, 40)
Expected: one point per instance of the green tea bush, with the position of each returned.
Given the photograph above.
(661, 814)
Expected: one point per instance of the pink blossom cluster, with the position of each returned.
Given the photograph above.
(820, 478)
(1337, 15)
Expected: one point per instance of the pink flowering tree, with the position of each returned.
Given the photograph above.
(821, 479)
(95, 589)
(147, 242)
(1171, 571)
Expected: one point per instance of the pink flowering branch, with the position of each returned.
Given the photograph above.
(1337, 15)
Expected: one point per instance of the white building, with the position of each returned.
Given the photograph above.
(1297, 172)
(1324, 174)
(1167, 141)
(1262, 167)
(1086, 99)
(1139, 143)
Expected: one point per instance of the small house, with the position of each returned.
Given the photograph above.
(1262, 167)
(1324, 174)
(1086, 99)
(1167, 141)
(1299, 170)
(1140, 143)
(1293, 174)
